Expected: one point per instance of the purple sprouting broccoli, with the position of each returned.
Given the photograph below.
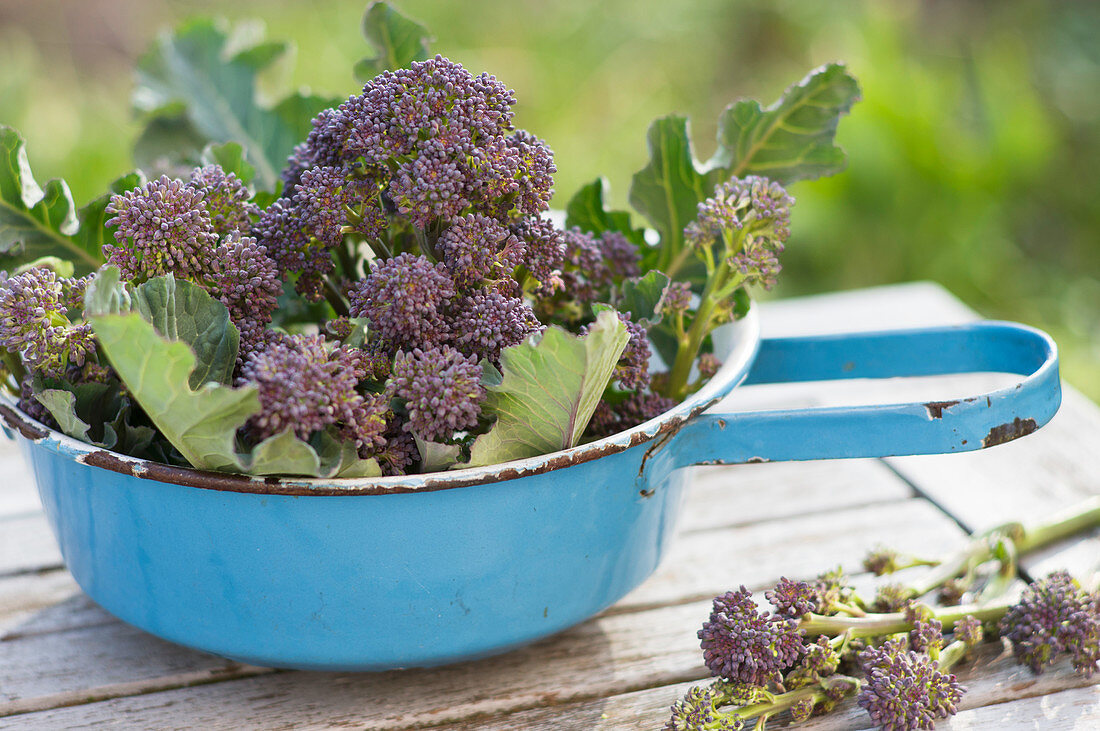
(399, 452)
(485, 323)
(544, 252)
(307, 387)
(969, 631)
(696, 712)
(226, 199)
(476, 248)
(743, 644)
(792, 598)
(747, 221)
(905, 689)
(199, 231)
(534, 177)
(635, 409)
(1055, 616)
(441, 388)
(404, 299)
(328, 199)
(34, 322)
(161, 227)
(246, 280)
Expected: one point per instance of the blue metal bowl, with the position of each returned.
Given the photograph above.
(372, 574)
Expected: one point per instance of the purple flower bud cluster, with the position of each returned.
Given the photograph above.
(696, 712)
(226, 199)
(485, 323)
(441, 388)
(161, 227)
(34, 324)
(637, 408)
(404, 299)
(677, 299)
(904, 689)
(792, 598)
(743, 644)
(544, 252)
(589, 267)
(477, 248)
(307, 387)
(1055, 616)
(749, 219)
(969, 630)
(198, 231)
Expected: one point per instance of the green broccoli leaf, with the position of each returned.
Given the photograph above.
(37, 221)
(548, 391)
(642, 297)
(168, 145)
(191, 85)
(175, 353)
(669, 189)
(793, 138)
(202, 423)
(180, 310)
(97, 413)
(436, 457)
(397, 40)
(588, 211)
(231, 157)
(62, 407)
(107, 294)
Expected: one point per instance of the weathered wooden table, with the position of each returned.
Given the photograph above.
(65, 663)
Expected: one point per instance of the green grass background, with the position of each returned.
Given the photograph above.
(974, 156)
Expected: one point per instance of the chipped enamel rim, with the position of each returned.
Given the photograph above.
(743, 334)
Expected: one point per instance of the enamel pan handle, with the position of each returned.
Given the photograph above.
(934, 427)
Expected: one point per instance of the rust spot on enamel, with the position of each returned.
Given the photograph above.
(22, 424)
(1007, 432)
(936, 408)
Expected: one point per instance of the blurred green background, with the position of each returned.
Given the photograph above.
(974, 156)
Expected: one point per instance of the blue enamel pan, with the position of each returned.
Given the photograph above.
(372, 574)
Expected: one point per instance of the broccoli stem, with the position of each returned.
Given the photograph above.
(1006, 542)
(689, 346)
(875, 625)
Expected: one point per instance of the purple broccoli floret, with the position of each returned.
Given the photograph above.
(905, 689)
(161, 227)
(792, 598)
(404, 299)
(226, 199)
(487, 322)
(441, 388)
(34, 324)
(544, 252)
(307, 387)
(749, 221)
(1055, 616)
(743, 644)
(476, 248)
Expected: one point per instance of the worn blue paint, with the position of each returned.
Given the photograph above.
(363, 580)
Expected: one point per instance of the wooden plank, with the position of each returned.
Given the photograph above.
(703, 564)
(299, 700)
(731, 496)
(18, 495)
(997, 688)
(46, 602)
(27, 545)
(914, 304)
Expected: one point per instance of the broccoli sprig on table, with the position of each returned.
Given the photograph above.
(822, 642)
(401, 299)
